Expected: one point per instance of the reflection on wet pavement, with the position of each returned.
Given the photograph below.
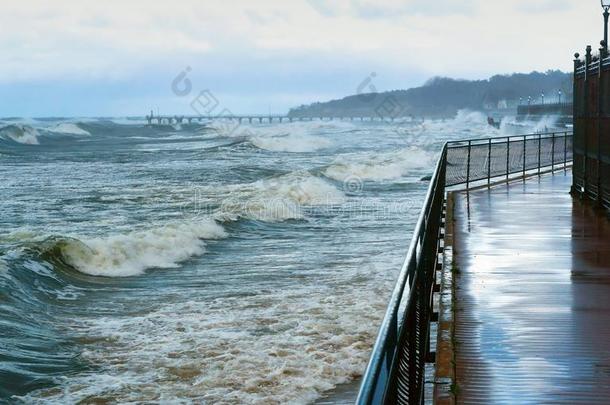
(533, 295)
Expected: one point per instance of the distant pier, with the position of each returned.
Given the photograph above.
(181, 119)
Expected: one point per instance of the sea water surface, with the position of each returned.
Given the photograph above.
(202, 263)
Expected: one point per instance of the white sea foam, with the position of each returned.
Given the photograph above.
(546, 123)
(288, 137)
(19, 133)
(280, 346)
(469, 117)
(129, 121)
(69, 128)
(291, 143)
(131, 254)
(378, 166)
(279, 198)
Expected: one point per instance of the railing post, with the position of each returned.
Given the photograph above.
(489, 164)
(468, 165)
(524, 153)
(507, 157)
(565, 150)
(539, 151)
(599, 127)
(585, 132)
(553, 153)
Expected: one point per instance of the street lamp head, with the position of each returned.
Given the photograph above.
(605, 4)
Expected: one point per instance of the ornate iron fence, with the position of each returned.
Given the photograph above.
(395, 373)
(592, 127)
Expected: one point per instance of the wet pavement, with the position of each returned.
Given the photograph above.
(533, 295)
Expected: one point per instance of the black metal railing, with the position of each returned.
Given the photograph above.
(473, 160)
(395, 373)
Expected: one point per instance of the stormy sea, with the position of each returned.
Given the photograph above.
(212, 262)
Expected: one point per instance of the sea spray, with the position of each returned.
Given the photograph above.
(291, 143)
(279, 198)
(290, 137)
(378, 166)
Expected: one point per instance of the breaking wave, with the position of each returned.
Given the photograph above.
(131, 254)
(291, 143)
(293, 137)
(23, 134)
(69, 128)
(278, 199)
(378, 166)
(166, 246)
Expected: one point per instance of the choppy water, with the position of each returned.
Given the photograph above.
(154, 264)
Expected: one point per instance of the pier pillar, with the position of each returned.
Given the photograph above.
(260, 120)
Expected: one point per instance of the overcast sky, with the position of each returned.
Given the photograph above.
(120, 57)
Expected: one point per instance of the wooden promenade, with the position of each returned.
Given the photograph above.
(532, 295)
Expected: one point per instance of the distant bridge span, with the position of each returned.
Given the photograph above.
(180, 119)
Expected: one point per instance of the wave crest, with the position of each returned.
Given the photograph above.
(291, 143)
(69, 128)
(23, 134)
(378, 166)
(280, 198)
(289, 137)
(131, 254)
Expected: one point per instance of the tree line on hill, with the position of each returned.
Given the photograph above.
(443, 97)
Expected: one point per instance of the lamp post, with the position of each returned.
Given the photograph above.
(559, 94)
(606, 7)
(542, 95)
